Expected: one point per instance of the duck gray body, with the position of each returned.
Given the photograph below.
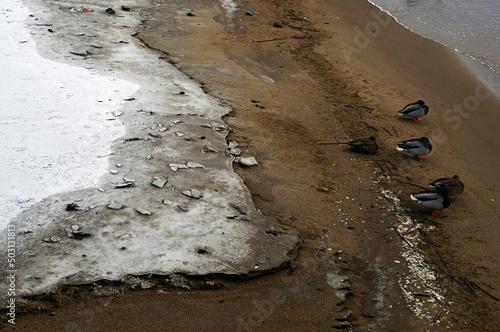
(453, 185)
(365, 145)
(435, 200)
(417, 146)
(415, 110)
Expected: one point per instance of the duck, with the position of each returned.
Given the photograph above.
(417, 146)
(436, 201)
(415, 110)
(453, 185)
(365, 145)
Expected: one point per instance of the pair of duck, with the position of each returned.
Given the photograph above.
(444, 190)
(418, 146)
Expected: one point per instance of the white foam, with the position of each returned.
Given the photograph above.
(54, 125)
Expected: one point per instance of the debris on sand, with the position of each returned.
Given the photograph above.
(115, 206)
(159, 182)
(142, 211)
(193, 193)
(246, 161)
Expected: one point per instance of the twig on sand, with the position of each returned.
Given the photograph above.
(269, 40)
(411, 184)
(395, 131)
(331, 143)
(388, 161)
(387, 131)
(440, 257)
(383, 170)
(477, 286)
(445, 300)
(402, 238)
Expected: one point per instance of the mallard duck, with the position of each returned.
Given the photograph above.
(453, 185)
(417, 146)
(435, 200)
(364, 145)
(415, 110)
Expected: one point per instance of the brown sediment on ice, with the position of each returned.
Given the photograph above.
(332, 71)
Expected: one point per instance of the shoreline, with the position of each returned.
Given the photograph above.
(464, 53)
(276, 195)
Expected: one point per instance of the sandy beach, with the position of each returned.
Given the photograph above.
(340, 245)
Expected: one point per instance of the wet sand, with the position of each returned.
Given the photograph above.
(295, 86)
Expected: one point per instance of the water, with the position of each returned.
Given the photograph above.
(470, 27)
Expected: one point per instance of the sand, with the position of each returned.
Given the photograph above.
(334, 71)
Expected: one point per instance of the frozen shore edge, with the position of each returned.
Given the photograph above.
(76, 238)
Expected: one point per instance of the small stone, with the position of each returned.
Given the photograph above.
(240, 208)
(149, 157)
(167, 202)
(193, 193)
(183, 207)
(109, 11)
(115, 206)
(232, 144)
(196, 194)
(159, 182)
(143, 211)
(192, 164)
(179, 134)
(162, 129)
(278, 24)
(190, 14)
(113, 171)
(208, 148)
(235, 151)
(175, 167)
(124, 184)
(52, 239)
(118, 165)
(247, 13)
(73, 207)
(248, 161)
(117, 113)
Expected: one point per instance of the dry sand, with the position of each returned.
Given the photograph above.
(307, 90)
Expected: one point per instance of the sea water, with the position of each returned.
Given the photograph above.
(470, 27)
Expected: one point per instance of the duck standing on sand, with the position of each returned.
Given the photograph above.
(417, 146)
(364, 145)
(435, 200)
(453, 185)
(415, 110)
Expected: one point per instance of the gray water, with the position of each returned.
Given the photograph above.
(469, 27)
